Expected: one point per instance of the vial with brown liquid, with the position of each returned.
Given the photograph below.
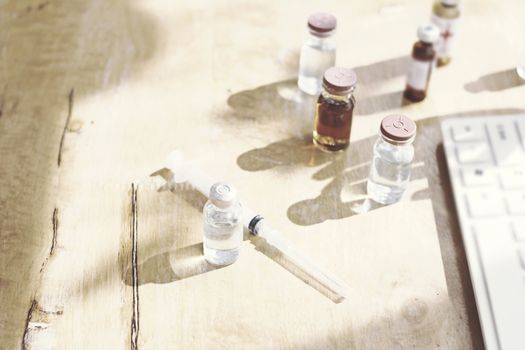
(335, 107)
(445, 15)
(421, 63)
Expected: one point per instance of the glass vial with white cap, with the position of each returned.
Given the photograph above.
(445, 15)
(222, 225)
(317, 53)
(391, 163)
(422, 63)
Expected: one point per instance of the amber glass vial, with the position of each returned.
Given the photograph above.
(334, 112)
(422, 63)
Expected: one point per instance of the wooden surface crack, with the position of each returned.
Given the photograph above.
(55, 232)
(54, 222)
(134, 268)
(29, 316)
(71, 100)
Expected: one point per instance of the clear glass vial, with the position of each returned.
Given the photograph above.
(421, 63)
(222, 225)
(392, 160)
(334, 112)
(445, 15)
(317, 53)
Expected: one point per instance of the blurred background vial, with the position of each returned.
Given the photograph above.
(317, 53)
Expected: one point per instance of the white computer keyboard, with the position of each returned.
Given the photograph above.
(486, 163)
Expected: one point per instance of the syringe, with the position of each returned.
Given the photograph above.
(257, 225)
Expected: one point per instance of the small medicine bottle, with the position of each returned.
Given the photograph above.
(391, 162)
(421, 63)
(334, 112)
(222, 225)
(317, 53)
(445, 15)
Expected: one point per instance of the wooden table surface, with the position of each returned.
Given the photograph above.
(99, 251)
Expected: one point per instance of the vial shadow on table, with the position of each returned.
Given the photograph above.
(351, 183)
(367, 105)
(494, 82)
(280, 101)
(283, 102)
(370, 77)
(380, 71)
(300, 151)
(282, 154)
(347, 170)
(172, 266)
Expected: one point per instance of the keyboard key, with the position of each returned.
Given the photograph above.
(485, 203)
(518, 227)
(473, 177)
(504, 281)
(473, 153)
(516, 203)
(468, 132)
(513, 178)
(505, 143)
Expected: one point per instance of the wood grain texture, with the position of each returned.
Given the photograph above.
(99, 251)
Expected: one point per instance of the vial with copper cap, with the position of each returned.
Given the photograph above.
(422, 63)
(391, 163)
(222, 225)
(334, 112)
(445, 15)
(317, 53)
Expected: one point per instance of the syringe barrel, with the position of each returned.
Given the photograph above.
(277, 240)
(199, 181)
